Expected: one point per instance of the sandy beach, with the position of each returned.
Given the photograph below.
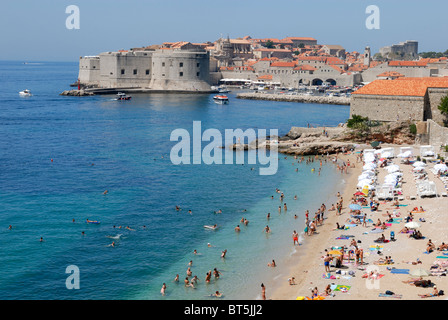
(307, 266)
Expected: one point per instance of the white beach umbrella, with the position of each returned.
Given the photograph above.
(420, 273)
(386, 154)
(419, 164)
(369, 166)
(392, 168)
(441, 167)
(407, 154)
(412, 225)
(363, 183)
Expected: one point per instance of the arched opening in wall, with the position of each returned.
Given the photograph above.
(317, 82)
(331, 82)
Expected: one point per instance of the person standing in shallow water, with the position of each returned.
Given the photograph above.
(263, 292)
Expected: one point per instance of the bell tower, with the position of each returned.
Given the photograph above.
(367, 56)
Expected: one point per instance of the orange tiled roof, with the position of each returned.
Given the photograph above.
(338, 69)
(333, 60)
(403, 86)
(399, 63)
(273, 50)
(283, 64)
(300, 38)
(305, 67)
(390, 74)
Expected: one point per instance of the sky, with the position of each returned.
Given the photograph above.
(32, 30)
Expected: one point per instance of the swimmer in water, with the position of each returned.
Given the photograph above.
(267, 229)
(216, 294)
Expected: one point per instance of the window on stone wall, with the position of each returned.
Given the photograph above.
(181, 64)
(147, 71)
(198, 64)
(163, 64)
(181, 74)
(135, 71)
(197, 74)
(122, 71)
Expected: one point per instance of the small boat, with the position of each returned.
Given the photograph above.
(25, 93)
(223, 90)
(123, 96)
(221, 99)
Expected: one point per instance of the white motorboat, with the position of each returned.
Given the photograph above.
(25, 93)
(221, 99)
(123, 96)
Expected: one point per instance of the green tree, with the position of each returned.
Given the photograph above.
(443, 106)
(269, 44)
(356, 121)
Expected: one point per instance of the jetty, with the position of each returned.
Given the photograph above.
(294, 98)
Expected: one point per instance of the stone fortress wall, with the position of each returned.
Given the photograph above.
(162, 70)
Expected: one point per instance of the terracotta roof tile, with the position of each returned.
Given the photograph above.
(265, 77)
(403, 86)
(283, 64)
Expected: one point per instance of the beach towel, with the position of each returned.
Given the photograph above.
(442, 257)
(400, 271)
(378, 276)
(342, 238)
(397, 296)
(342, 288)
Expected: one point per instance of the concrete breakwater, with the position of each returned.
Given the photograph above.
(294, 98)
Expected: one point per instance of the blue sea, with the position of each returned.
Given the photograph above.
(59, 154)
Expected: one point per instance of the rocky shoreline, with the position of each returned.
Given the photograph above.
(303, 141)
(331, 140)
(294, 98)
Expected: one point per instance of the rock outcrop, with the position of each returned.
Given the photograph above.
(76, 93)
(312, 141)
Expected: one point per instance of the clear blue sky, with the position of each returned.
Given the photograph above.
(35, 30)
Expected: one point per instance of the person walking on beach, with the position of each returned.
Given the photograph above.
(295, 237)
(327, 260)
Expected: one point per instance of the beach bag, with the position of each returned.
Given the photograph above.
(389, 292)
(441, 293)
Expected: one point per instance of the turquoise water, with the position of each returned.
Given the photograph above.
(59, 154)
